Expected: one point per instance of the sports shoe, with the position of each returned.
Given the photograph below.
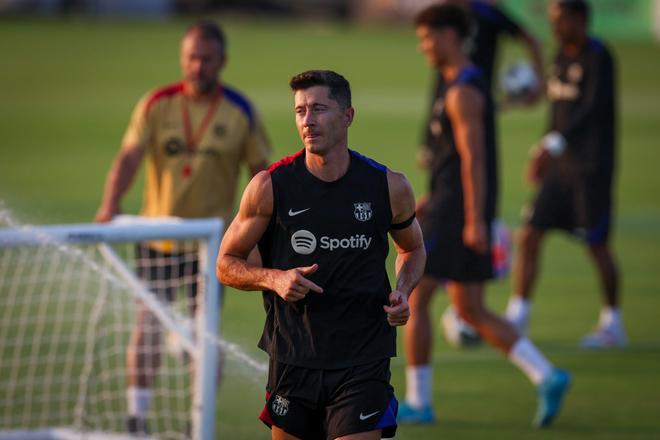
(605, 337)
(550, 394)
(136, 426)
(409, 415)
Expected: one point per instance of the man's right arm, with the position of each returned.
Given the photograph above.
(233, 268)
(120, 177)
(128, 160)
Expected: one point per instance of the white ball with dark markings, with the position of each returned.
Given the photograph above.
(518, 80)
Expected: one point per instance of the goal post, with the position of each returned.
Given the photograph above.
(68, 304)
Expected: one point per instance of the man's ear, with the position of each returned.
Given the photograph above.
(349, 114)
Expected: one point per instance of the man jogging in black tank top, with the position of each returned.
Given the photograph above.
(321, 220)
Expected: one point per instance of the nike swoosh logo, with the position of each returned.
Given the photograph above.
(366, 416)
(294, 213)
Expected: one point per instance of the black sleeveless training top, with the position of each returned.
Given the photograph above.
(342, 226)
(446, 183)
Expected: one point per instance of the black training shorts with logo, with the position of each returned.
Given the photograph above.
(327, 404)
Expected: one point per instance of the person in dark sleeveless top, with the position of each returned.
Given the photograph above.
(490, 22)
(321, 220)
(573, 166)
(456, 219)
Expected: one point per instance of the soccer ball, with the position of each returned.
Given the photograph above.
(458, 333)
(518, 80)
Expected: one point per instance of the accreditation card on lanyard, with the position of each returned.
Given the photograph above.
(193, 139)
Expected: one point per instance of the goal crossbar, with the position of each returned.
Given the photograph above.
(123, 229)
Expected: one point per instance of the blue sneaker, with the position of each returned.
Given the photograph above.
(550, 394)
(409, 415)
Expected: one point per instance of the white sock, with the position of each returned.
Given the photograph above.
(530, 360)
(419, 385)
(517, 309)
(139, 401)
(610, 317)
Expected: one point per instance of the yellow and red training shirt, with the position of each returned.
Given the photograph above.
(199, 180)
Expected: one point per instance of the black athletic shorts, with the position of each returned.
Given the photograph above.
(167, 273)
(447, 257)
(326, 404)
(579, 208)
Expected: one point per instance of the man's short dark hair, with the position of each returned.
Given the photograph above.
(340, 89)
(577, 7)
(209, 30)
(445, 16)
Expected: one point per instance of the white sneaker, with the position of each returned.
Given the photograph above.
(605, 337)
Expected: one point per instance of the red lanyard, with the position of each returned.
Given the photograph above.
(192, 139)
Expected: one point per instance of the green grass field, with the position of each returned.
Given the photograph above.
(66, 92)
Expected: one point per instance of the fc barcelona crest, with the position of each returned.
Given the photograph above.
(280, 405)
(362, 211)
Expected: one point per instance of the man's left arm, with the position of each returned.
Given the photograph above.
(409, 245)
(465, 107)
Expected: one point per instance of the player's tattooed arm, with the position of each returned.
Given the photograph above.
(233, 267)
(409, 246)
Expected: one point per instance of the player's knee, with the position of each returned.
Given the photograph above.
(471, 313)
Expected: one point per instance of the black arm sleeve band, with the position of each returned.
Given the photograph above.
(404, 224)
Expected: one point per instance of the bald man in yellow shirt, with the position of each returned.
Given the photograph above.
(194, 135)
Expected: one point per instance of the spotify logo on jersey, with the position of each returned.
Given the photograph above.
(303, 242)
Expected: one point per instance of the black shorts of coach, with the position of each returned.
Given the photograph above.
(579, 207)
(167, 272)
(326, 404)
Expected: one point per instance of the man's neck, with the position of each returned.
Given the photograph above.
(197, 95)
(453, 68)
(328, 167)
(574, 48)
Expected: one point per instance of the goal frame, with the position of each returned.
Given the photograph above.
(131, 229)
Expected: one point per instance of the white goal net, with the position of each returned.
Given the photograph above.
(71, 298)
